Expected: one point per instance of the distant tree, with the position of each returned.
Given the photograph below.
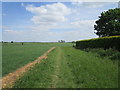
(11, 41)
(108, 23)
(62, 41)
(73, 41)
(59, 41)
(73, 45)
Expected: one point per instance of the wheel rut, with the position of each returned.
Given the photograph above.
(9, 79)
(55, 76)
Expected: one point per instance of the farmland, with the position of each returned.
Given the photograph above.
(60, 44)
(0, 60)
(67, 67)
(16, 55)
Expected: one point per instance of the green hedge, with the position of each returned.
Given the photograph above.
(104, 42)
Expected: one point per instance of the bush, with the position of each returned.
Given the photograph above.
(115, 56)
(109, 53)
(104, 42)
(11, 41)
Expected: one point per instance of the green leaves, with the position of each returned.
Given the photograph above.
(108, 23)
(104, 42)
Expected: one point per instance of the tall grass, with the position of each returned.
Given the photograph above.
(91, 71)
(0, 60)
(108, 53)
(67, 67)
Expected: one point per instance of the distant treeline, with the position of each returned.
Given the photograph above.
(28, 42)
(104, 42)
(38, 42)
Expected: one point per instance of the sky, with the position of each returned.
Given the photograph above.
(51, 21)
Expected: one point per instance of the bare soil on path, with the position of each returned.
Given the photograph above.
(8, 80)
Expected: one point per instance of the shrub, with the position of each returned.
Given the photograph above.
(115, 56)
(11, 41)
(104, 42)
(109, 53)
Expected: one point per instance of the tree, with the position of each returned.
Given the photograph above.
(11, 41)
(108, 23)
(73, 41)
(61, 41)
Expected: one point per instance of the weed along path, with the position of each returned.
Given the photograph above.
(9, 79)
(67, 67)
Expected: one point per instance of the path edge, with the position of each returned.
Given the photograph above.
(9, 79)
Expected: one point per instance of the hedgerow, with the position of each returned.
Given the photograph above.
(103, 42)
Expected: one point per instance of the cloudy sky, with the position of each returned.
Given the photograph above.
(51, 21)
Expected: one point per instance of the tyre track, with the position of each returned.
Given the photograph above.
(55, 77)
(9, 79)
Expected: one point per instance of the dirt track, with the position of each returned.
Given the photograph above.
(9, 79)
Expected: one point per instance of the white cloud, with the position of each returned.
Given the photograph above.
(78, 35)
(83, 24)
(49, 14)
(94, 4)
(81, 30)
(22, 4)
(51, 24)
(48, 19)
(60, 0)
(91, 4)
(4, 27)
(94, 0)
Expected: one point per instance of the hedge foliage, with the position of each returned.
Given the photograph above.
(103, 42)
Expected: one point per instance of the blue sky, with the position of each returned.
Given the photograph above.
(50, 21)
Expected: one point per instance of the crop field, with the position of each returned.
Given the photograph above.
(16, 55)
(65, 67)
(52, 45)
(0, 60)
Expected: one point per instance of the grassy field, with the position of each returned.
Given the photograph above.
(67, 67)
(16, 55)
(0, 60)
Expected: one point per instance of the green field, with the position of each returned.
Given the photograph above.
(57, 44)
(67, 67)
(16, 55)
(0, 60)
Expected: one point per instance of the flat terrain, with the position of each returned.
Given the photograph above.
(0, 61)
(16, 55)
(67, 67)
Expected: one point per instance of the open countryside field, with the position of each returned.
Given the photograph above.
(16, 55)
(65, 67)
(60, 44)
(0, 64)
